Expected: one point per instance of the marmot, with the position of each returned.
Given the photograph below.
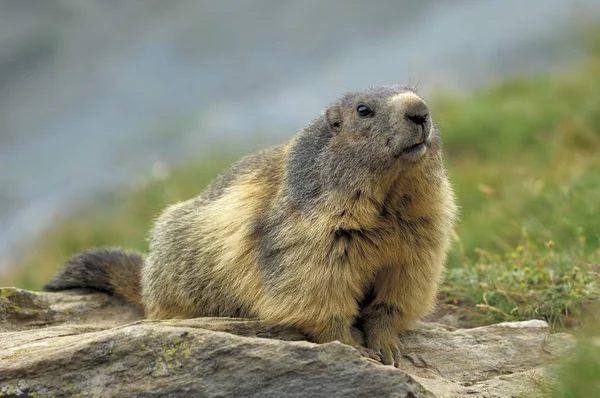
(347, 224)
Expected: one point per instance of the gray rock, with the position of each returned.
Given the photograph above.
(75, 344)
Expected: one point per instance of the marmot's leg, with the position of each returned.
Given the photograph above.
(403, 294)
(382, 318)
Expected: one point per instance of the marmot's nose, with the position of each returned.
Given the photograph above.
(415, 110)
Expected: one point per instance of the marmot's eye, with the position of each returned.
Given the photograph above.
(364, 111)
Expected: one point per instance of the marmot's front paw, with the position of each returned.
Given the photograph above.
(388, 349)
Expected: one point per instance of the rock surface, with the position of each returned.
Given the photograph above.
(76, 344)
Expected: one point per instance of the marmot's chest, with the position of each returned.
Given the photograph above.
(386, 232)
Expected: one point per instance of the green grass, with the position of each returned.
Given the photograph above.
(525, 160)
(579, 375)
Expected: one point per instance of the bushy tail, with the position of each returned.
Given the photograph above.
(111, 271)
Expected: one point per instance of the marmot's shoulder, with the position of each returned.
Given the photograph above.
(267, 164)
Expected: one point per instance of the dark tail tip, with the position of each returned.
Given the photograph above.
(104, 270)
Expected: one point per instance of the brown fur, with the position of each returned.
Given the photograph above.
(343, 225)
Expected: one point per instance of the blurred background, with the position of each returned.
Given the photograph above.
(111, 110)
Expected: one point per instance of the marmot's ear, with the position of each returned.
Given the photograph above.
(333, 115)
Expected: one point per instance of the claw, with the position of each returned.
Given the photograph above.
(389, 351)
(368, 353)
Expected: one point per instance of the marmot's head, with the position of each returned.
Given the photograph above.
(375, 131)
(361, 141)
(390, 122)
